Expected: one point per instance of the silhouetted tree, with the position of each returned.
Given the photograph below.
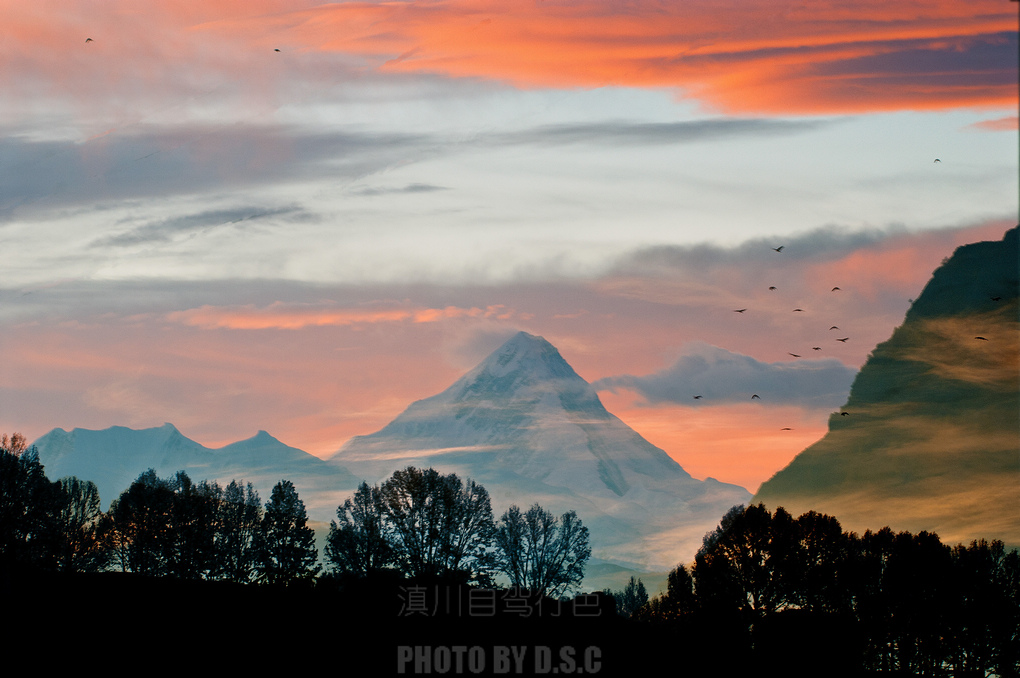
(439, 525)
(142, 518)
(822, 579)
(29, 504)
(288, 554)
(751, 562)
(542, 553)
(680, 589)
(632, 598)
(239, 538)
(985, 620)
(85, 542)
(887, 602)
(193, 526)
(14, 445)
(679, 599)
(359, 544)
(472, 529)
(917, 587)
(166, 527)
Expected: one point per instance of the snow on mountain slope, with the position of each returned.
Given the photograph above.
(529, 428)
(112, 458)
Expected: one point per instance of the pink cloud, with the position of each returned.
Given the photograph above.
(902, 264)
(283, 316)
(1008, 124)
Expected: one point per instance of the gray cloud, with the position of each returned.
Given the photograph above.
(165, 229)
(631, 133)
(821, 244)
(965, 60)
(160, 161)
(410, 188)
(721, 376)
(173, 161)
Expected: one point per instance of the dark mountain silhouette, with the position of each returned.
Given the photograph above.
(933, 440)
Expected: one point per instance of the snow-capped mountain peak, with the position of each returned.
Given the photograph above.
(529, 428)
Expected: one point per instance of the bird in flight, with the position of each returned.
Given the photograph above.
(698, 397)
(794, 355)
(276, 50)
(981, 338)
(88, 40)
(844, 339)
(756, 396)
(996, 298)
(772, 289)
(833, 328)
(816, 348)
(786, 429)
(797, 309)
(739, 310)
(778, 249)
(836, 289)
(937, 160)
(844, 414)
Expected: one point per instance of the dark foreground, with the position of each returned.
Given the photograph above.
(389, 627)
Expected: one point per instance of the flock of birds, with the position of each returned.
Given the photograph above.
(833, 327)
(773, 288)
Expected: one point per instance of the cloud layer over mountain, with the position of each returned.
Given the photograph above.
(718, 375)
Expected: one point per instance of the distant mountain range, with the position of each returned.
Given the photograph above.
(523, 423)
(114, 457)
(930, 436)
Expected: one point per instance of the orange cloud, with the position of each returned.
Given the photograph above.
(780, 56)
(758, 57)
(287, 317)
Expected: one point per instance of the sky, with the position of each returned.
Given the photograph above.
(301, 217)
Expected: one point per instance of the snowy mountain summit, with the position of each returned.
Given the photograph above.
(529, 428)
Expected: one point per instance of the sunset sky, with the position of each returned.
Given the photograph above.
(301, 217)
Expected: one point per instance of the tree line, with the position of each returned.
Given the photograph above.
(427, 524)
(883, 601)
(418, 523)
(903, 603)
(157, 527)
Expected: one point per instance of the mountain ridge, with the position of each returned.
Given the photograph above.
(931, 435)
(114, 457)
